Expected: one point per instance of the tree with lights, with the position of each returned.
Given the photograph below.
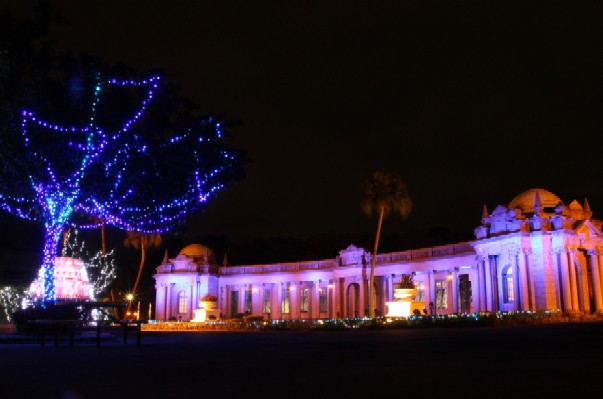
(127, 171)
(384, 192)
(79, 144)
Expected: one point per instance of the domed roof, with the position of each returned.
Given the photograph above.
(199, 252)
(525, 200)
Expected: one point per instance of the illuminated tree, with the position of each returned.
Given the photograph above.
(384, 192)
(121, 163)
(11, 300)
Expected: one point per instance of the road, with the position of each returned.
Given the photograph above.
(485, 362)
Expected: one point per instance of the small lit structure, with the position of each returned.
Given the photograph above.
(207, 310)
(70, 280)
(401, 305)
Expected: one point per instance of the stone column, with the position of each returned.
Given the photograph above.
(331, 299)
(524, 281)
(530, 271)
(481, 285)
(517, 298)
(274, 301)
(256, 299)
(432, 292)
(583, 293)
(164, 302)
(298, 314)
(293, 289)
(427, 294)
(600, 269)
(596, 278)
(226, 301)
(170, 301)
(573, 281)
(489, 284)
(455, 290)
(314, 299)
(191, 302)
(279, 300)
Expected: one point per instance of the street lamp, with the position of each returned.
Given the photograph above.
(129, 298)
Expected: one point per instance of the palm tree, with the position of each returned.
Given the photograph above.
(140, 241)
(384, 192)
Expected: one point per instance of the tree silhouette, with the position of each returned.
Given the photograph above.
(140, 241)
(384, 192)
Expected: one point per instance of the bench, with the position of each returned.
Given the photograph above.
(70, 328)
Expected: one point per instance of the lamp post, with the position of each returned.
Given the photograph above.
(129, 298)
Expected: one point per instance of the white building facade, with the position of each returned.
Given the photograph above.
(535, 254)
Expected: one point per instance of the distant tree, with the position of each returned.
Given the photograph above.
(140, 241)
(384, 192)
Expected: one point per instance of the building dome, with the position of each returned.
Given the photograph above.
(525, 200)
(199, 253)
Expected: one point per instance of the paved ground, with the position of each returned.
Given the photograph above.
(485, 362)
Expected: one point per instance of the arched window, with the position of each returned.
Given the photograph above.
(507, 284)
(182, 307)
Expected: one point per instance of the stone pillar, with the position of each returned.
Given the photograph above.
(274, 301)
(314, 300)
(389, 287)
(573, 281)
(583, 293)
(197, 293)
(489, 284)
(455, 290)
(191, 306)
(524, 281)
(331, 299)
(293, 299)
(166, 294)
(428, 278)
(170, 301)
(242, 294)
(517, 299)
(596, 279)
(298, 295)
(279, 300)
(481, 284)
(383, 293)
(343, 298)
(530, 272)
(600, 269)
(432, 292)
(256, 299)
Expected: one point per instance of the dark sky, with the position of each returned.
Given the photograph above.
(472, 102)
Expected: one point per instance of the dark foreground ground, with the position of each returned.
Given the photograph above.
(564, 360)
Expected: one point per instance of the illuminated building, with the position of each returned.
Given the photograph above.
(535, 254)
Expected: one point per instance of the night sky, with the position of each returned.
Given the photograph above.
(472, 102)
